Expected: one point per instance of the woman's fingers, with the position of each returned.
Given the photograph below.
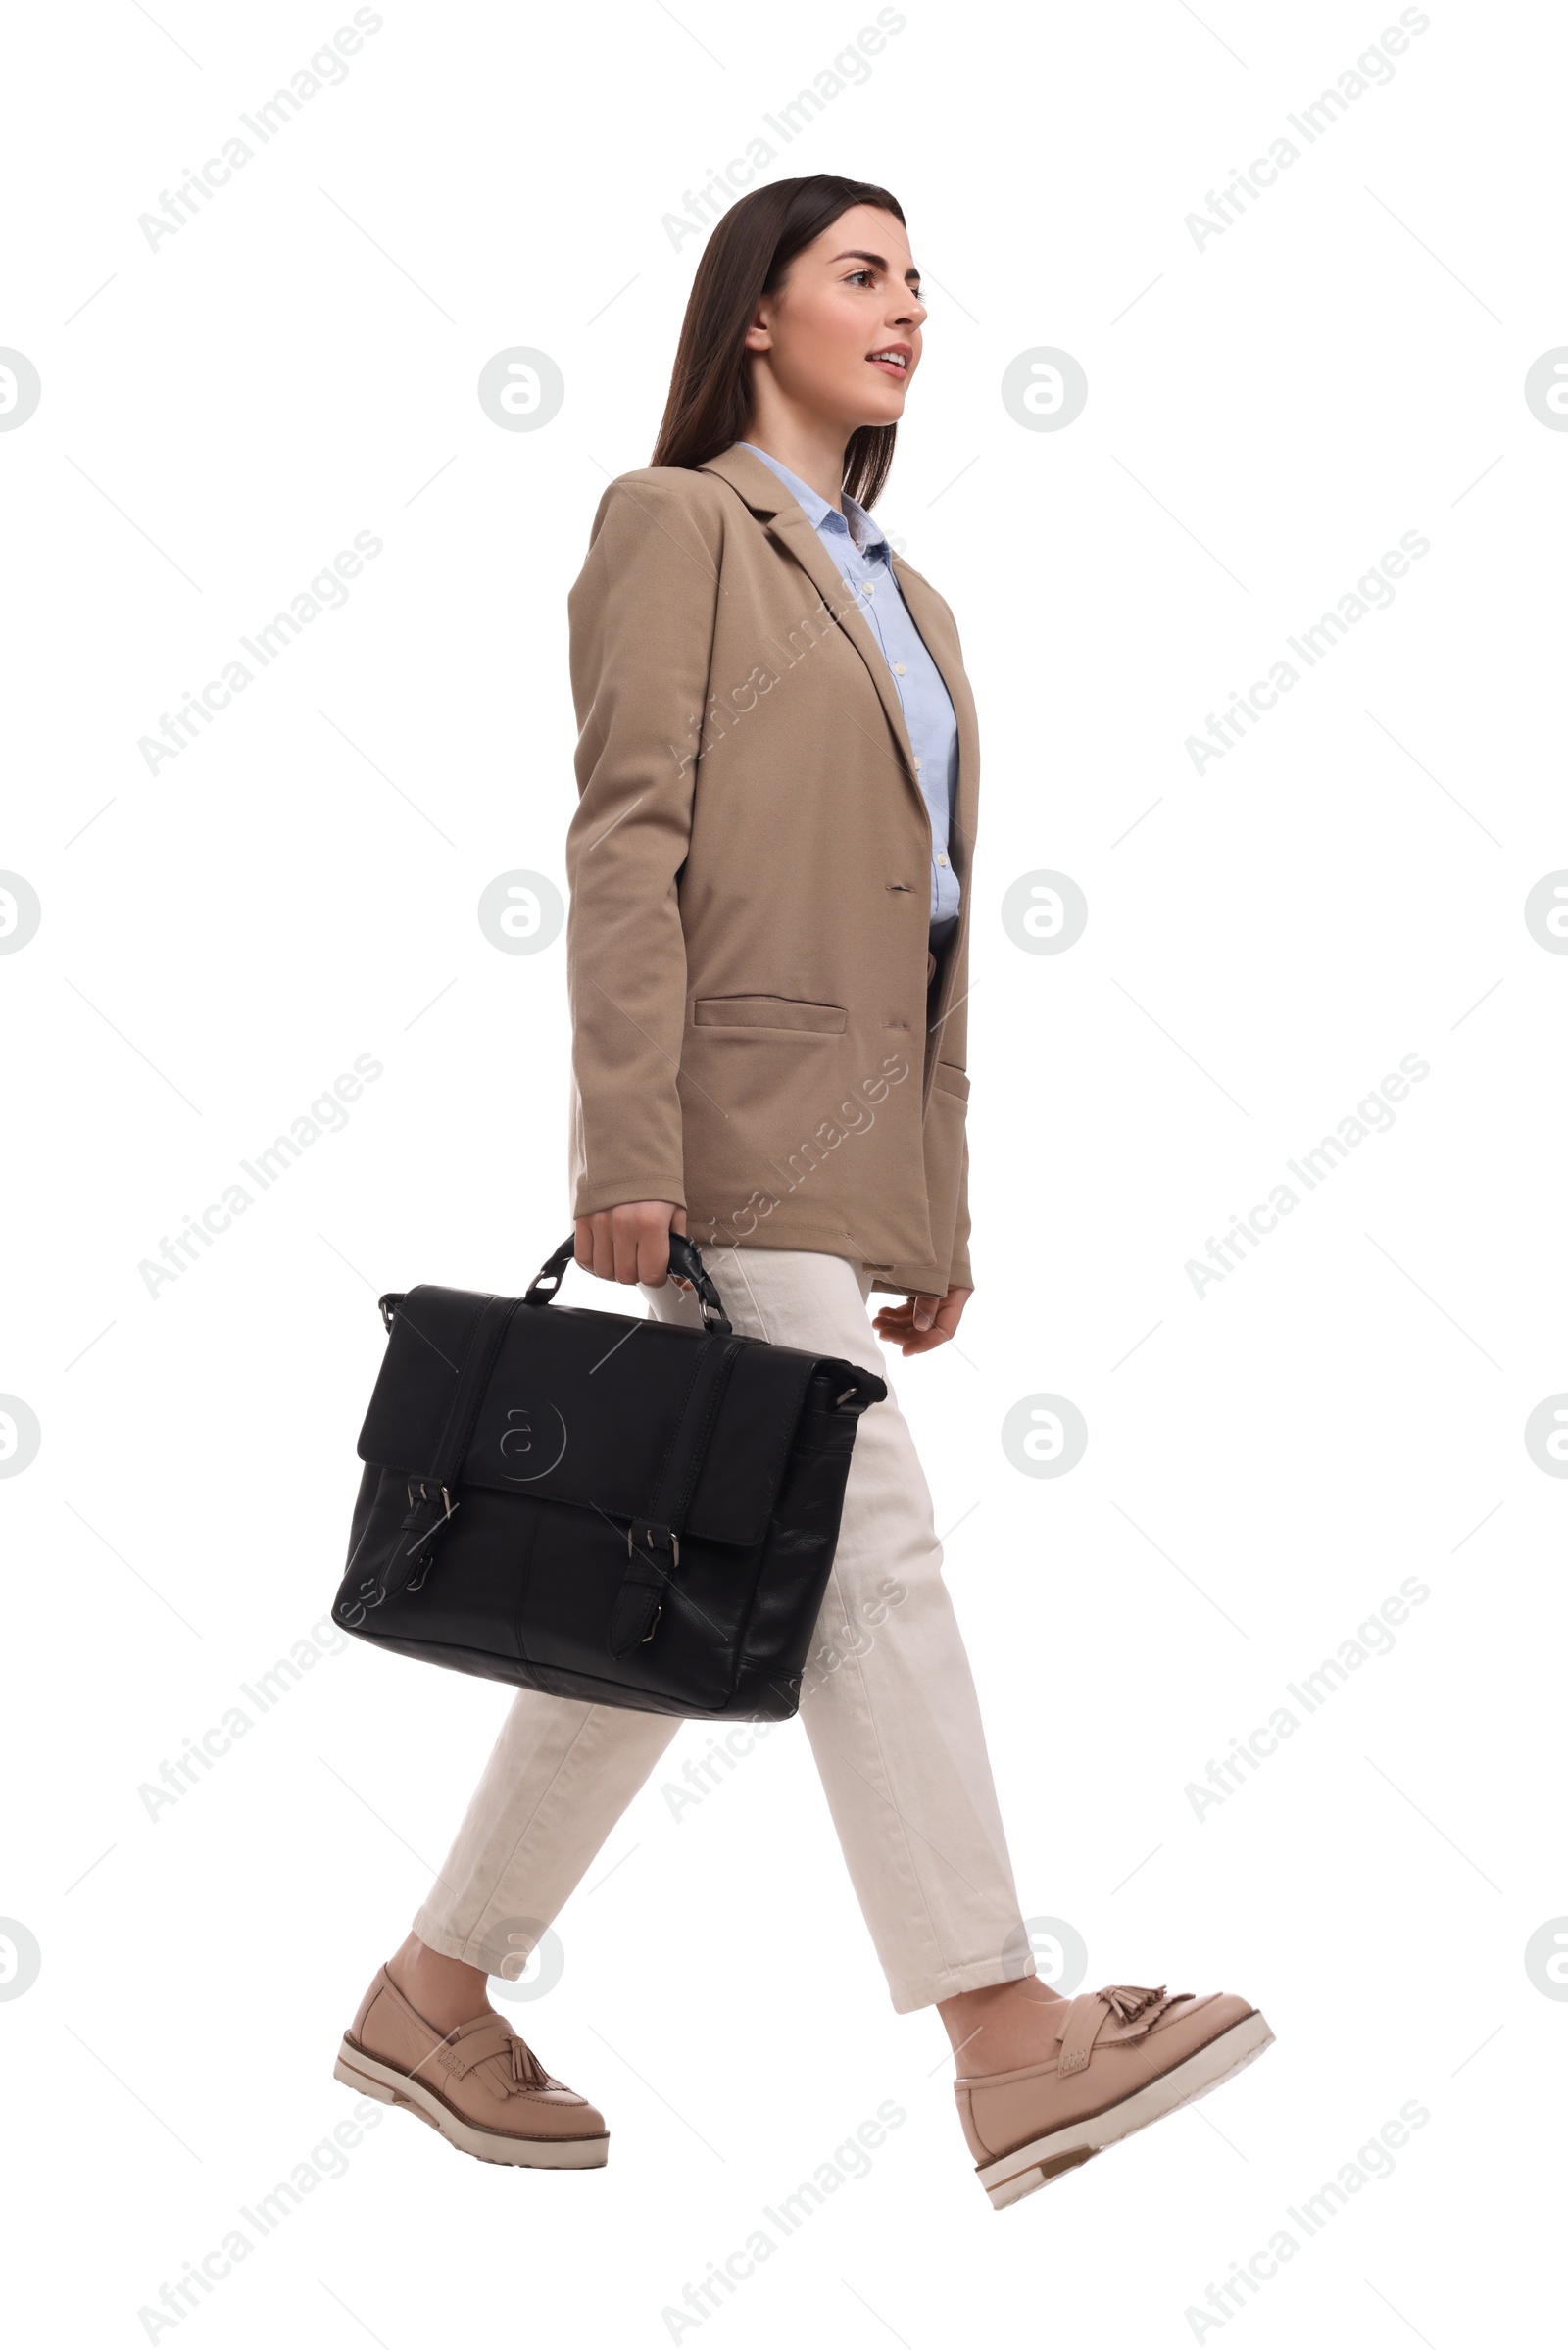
(902, 1326)
(630, 1242)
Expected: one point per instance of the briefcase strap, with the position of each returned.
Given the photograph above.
(430, 1502)
(685, 1258)
(653, 1541)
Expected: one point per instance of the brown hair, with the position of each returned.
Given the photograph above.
(747, 256)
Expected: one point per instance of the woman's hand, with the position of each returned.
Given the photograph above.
(920, 1322)
(630, 1243)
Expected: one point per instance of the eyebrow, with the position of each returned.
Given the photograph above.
(879, 260)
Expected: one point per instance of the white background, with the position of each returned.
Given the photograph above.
(1265, 1464)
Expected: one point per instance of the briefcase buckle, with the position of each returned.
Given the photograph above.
(650, 1536)
(424, 1493)
(415, 1583)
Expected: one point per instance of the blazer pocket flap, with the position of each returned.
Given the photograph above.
(950, 1080)
(770, 1011)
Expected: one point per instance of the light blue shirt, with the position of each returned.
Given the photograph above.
(862, 558)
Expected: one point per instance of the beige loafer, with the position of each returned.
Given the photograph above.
(1124, 2057)
(480, 2086)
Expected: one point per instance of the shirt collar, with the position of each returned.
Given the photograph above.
(862, 528)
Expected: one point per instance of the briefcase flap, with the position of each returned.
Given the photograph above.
(584, 1407)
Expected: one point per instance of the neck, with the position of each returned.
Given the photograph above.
(811, 446)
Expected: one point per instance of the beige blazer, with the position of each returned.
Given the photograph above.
(750, 866)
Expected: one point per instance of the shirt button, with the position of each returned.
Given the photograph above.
(897, 668)
(941, 857)
(917, 763)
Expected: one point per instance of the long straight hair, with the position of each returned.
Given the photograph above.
(747, 256)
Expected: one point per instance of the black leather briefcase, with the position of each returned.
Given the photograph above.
(601, 1505)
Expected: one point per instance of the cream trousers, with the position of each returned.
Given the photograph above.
(888, 1703)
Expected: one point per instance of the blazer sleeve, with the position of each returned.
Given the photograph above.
(641, 616)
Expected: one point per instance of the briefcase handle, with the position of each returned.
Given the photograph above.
(685, 1258)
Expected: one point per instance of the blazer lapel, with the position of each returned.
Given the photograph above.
(930, 618)
(789, 529)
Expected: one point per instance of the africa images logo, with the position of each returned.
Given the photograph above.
(528, 1443)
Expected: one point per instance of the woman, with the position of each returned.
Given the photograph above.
(768, 966)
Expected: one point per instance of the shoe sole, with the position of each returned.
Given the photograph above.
(388, 2086)
(1013, 2176)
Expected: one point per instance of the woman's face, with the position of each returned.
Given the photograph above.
(850, 295)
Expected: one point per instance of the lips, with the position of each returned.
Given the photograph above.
(893, 358)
